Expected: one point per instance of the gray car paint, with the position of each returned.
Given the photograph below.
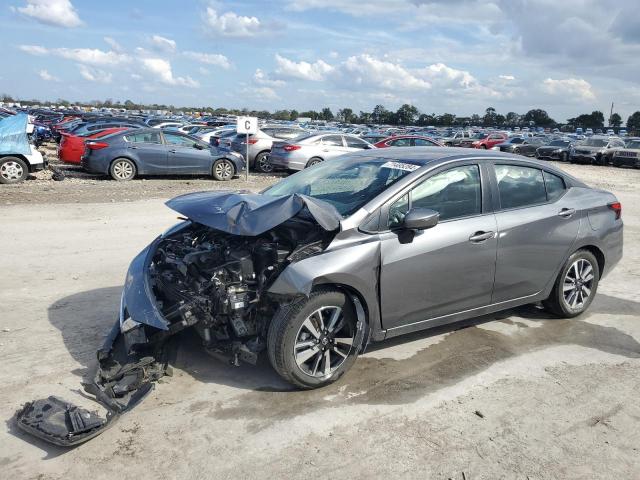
(440, 276)
(157, 158)
(357, 260)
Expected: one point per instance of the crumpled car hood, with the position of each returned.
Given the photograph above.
(251, 214)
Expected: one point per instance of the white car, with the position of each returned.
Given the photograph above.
(16, 165)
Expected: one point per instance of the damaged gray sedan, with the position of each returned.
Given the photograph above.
(351, 251)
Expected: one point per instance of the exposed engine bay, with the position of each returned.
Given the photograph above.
(216, 282)
(193, 276)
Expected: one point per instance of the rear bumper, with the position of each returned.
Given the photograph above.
(288, 161)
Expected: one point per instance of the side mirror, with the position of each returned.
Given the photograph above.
(197, 146)
(420, 219)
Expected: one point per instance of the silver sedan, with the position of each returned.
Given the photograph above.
(307, 150)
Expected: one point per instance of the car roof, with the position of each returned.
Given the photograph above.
(433, 156)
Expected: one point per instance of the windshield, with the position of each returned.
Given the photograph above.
(480, 136)
(635, 145)
(516, 140)
(595, 142)
(559, 143)
(346, 183)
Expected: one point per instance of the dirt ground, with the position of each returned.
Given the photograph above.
(518, 395)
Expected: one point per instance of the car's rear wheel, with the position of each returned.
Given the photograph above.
(262, 163)
(312, 342)
(122, 169)
(314, 161)
(12, 170)
(223, 170)
(575, 286)
(564, 157)
(483, 147)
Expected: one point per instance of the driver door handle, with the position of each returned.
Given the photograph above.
(172, 151)
(133, 147)
(566, 212)
(481, 236)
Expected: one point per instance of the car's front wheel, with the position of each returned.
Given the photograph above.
(12, 170)
(575, 286)
(122, 169)
(313, 341)
(223, 170)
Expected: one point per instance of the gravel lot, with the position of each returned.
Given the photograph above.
(517, 395)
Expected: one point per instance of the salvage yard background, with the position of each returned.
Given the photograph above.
(519, 395)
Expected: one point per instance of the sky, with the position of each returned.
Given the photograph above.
(456, 56)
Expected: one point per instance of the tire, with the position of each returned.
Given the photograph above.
(483, 147)
(616, 163)
(223, 170)
(516, 151)
(564, 157)
(582, 266)
(296, 328)
(13, 170)
(313, 161)
(122, 170)
(262, 163)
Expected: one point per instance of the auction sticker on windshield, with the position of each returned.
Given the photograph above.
(409, 167)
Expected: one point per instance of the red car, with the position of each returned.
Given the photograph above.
(71, 147)
(408, 141)
(490, 140)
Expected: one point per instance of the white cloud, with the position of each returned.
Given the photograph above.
(367, 70)
(115, 46)
(316, 71)
(162, 68)
(203, 71)
(135, 76)
(94, 74)
(163, 44)
(261, 78)
(216, 59)
(33, 49)
(60, 13)
(47, 77)
(230, 24)
(506, 77)
(90, 56)
(577, 88)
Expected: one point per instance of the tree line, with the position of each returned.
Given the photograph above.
(406, 115)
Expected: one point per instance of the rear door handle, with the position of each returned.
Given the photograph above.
(133, 147)
(481, 236)
(566, 212)
(172, 151)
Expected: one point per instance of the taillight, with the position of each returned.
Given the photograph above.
(96, 145)
(291, 148)
(252, 141)
(617, 209)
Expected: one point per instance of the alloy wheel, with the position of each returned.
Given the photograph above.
(578, 283)
(123, 170)
(264, 165)
(224, 170)
(323, 342)
(11, 170)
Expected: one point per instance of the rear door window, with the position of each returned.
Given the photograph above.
(423, 142)
(332, 140)
(555, 186)
(520, 186)
(147, 137)
(400, 142)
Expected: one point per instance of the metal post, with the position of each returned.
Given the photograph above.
(246, 159)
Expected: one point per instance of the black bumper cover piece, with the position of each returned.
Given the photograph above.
(122, 380)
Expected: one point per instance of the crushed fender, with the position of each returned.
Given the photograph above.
(122, 380)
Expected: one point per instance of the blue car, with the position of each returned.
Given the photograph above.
(150, 151)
